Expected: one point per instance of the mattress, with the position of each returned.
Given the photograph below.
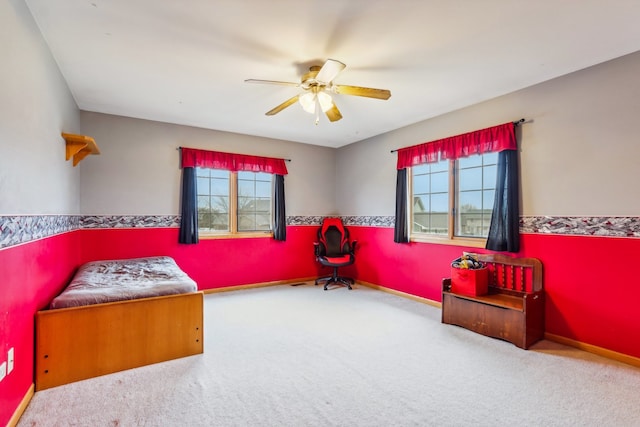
(99, 282)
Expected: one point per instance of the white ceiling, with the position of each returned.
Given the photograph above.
(186, 61)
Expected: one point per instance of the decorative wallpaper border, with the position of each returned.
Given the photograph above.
(130, 221)
(582, 225)
(304, 220)
(363, 221)
(370, 221)
(25, 228)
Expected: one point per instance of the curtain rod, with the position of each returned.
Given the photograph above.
(286, 160)
(516, 123)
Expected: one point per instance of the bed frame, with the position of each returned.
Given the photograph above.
(78, 343)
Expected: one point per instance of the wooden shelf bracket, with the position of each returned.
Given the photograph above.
(79, 147)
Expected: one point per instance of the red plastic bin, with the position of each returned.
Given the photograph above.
(471, 282)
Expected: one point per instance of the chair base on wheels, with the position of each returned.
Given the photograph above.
(334, 278)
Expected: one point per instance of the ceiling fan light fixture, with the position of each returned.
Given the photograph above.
(310, 99)
(308, 102)
(325, 101)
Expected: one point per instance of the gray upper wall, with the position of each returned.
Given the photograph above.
(137, 172)
(35, 107)
(579, 151)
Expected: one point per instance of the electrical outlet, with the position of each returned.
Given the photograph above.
(10, 361)
(3, 370)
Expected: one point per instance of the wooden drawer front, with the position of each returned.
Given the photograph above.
(485, 319)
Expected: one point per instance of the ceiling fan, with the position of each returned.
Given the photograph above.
(317, 85)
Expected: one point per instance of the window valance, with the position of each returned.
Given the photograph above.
(192, 157)
(493, 139)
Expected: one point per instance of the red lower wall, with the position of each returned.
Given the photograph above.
(591, 293)
(32, 274)
(212, 263)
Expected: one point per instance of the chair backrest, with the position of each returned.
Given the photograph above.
(334, 236)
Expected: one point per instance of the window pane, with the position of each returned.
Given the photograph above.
(263, 222)
(220, 204)
(490, 158)
(246, 204)
(487, 200)
(469, 213)
(439, 182)
(204, 203)
(421, 204)
(219, 187)
(471, 161)
(489, 176)
(469, 201)
(263, 188)
(420, 169)
(220, 221)
(246, 188)
(441, 166)
(246, 222)
(219, 173)
(470, 179)
(262, 205)
(204, 219)
(421, 184)
(440, 202)
(439, 223)
(202, 184)
(421, 222)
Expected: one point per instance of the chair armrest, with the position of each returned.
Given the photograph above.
(317, 250)
(353, 246)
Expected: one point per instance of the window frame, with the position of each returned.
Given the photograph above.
(450, 238)
(233, 232)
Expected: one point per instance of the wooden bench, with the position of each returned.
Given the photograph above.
(512, 310)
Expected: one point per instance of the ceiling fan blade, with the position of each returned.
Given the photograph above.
(329, 71)
(333, 114)
(272, 82)
(282, 106)
(362, 91)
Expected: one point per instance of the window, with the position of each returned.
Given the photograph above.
(233, 202)
(431, 198)
(453, 198)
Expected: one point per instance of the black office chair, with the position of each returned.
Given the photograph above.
(334, 250)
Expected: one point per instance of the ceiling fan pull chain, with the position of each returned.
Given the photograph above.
(318, 109)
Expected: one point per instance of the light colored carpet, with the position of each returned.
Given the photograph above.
(300, 356)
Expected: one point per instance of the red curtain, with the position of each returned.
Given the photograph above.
(496, 138)
(192, 157)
